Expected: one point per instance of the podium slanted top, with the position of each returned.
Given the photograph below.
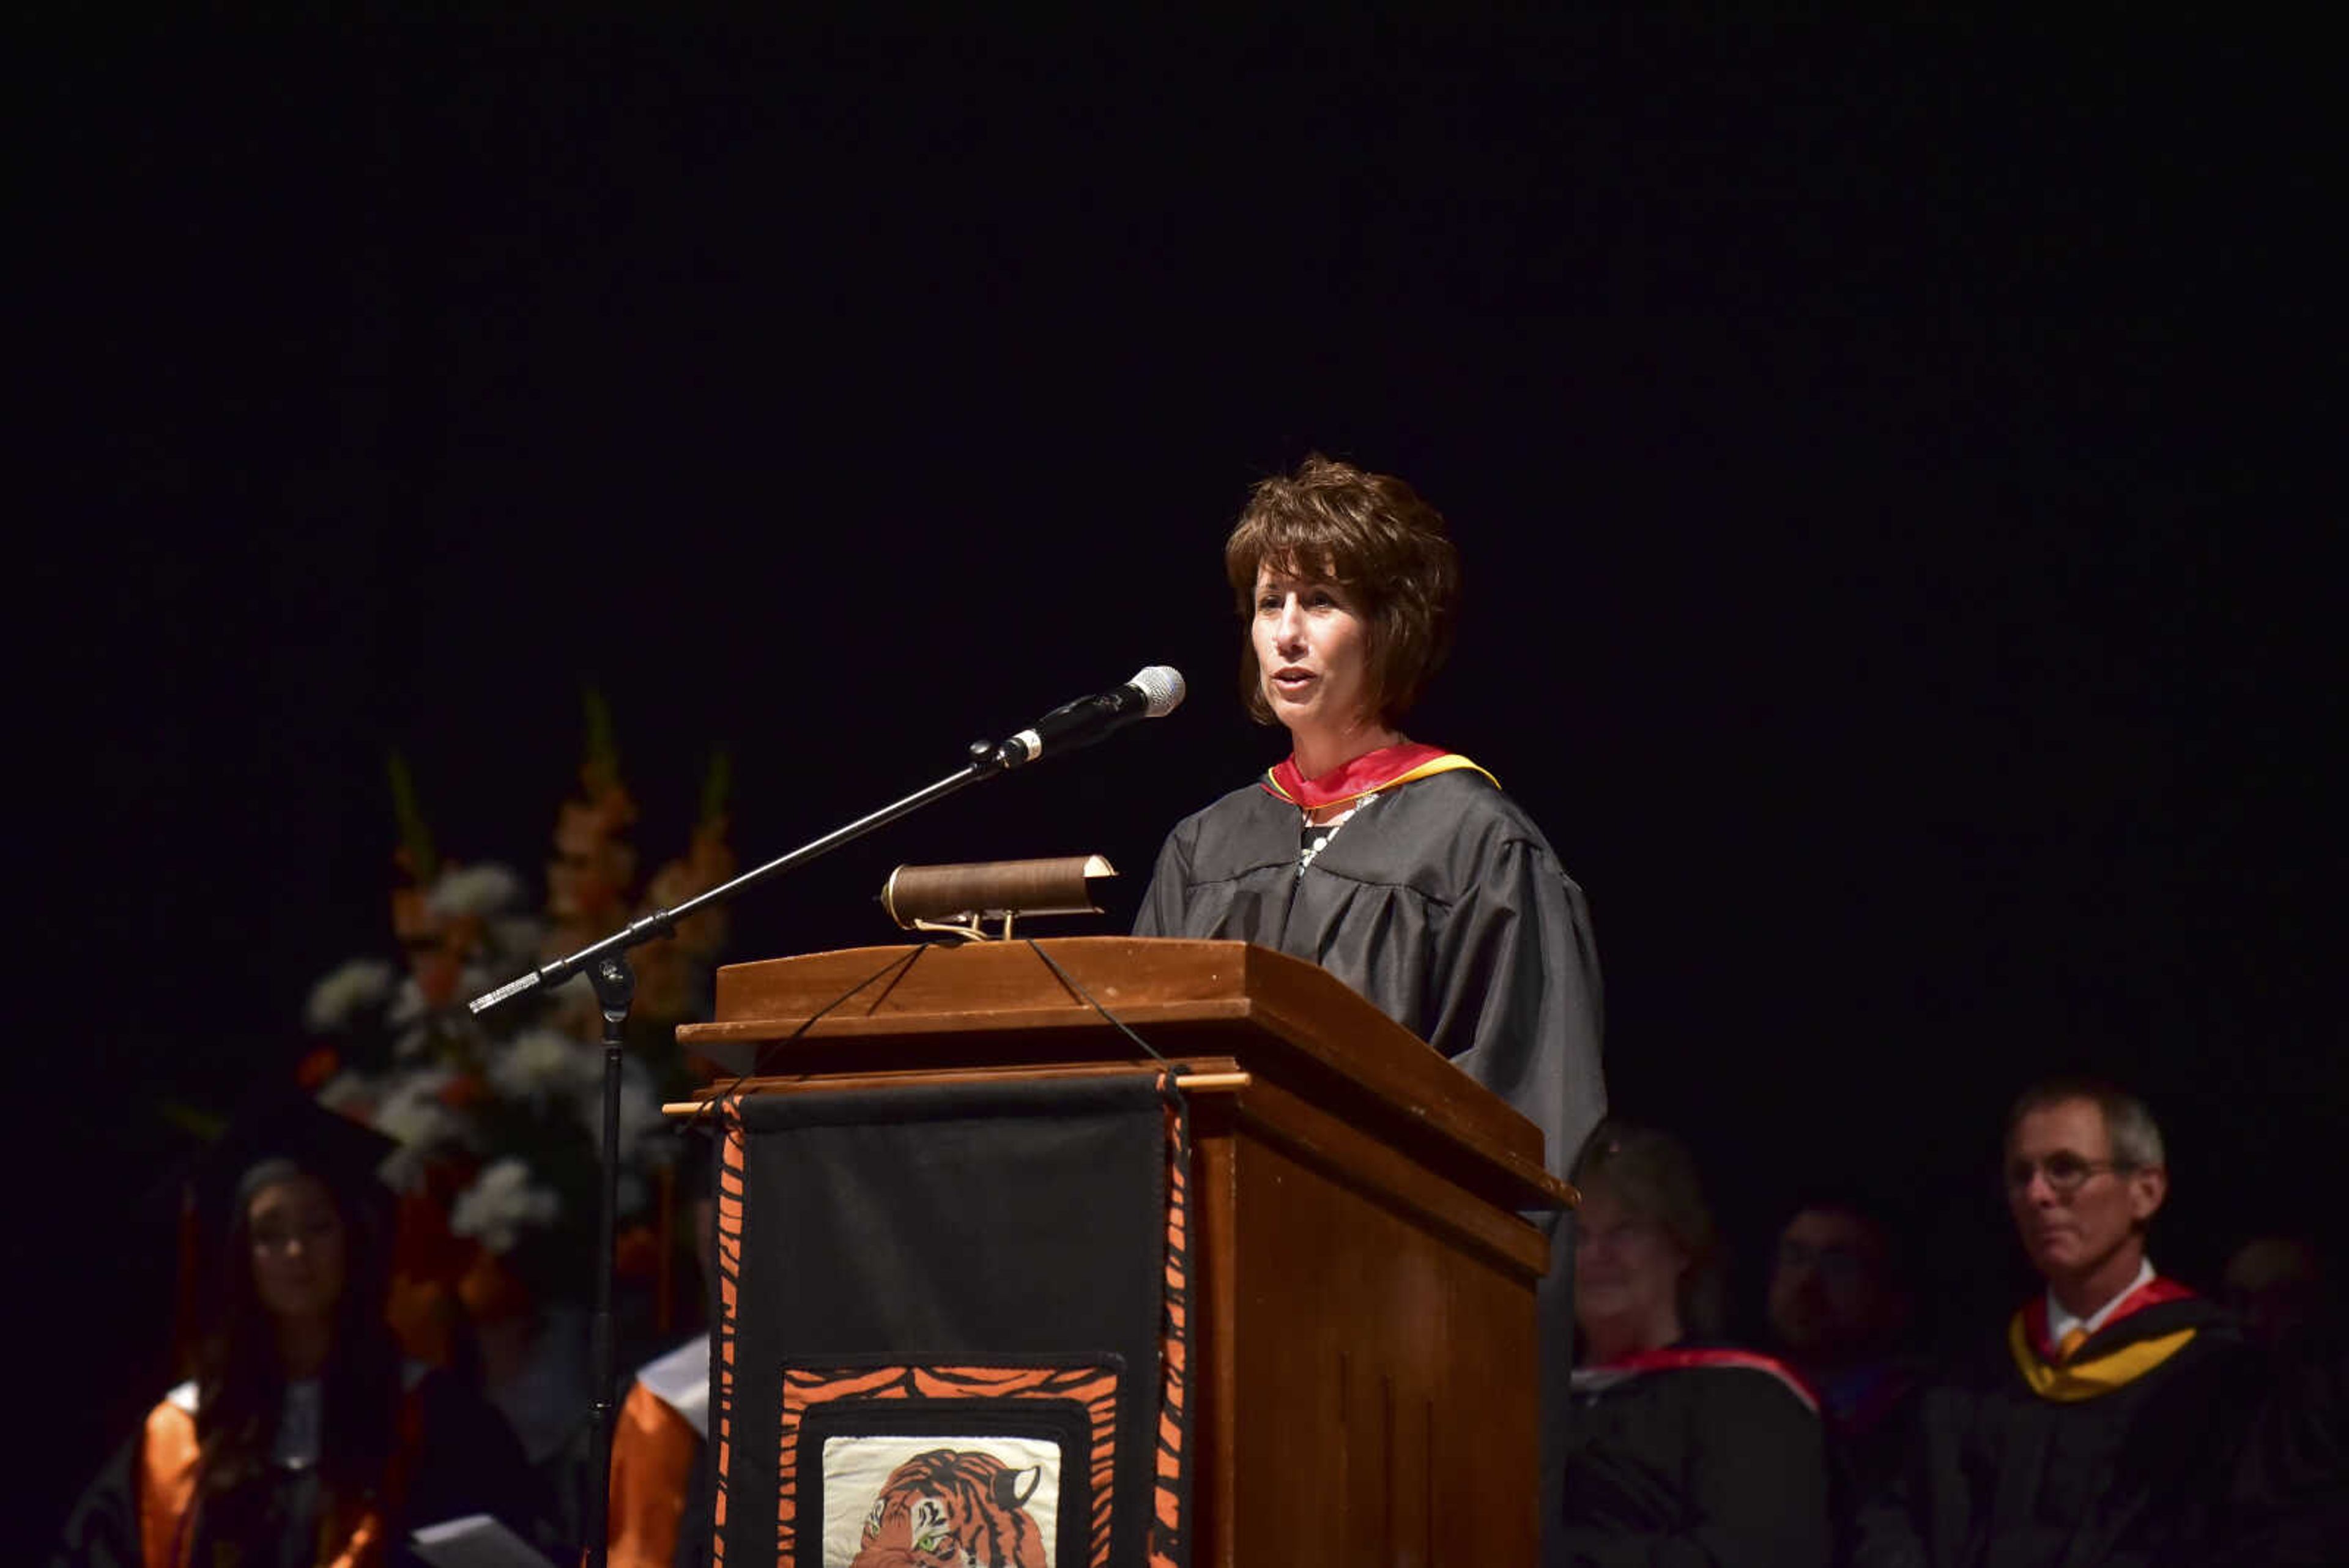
(997, 1004)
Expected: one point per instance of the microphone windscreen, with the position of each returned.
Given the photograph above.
(1162, 684)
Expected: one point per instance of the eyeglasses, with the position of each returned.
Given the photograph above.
(2065, 1173)
(1838, 1263)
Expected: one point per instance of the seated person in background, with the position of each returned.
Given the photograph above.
(1840, 1309)
(2277, 1289)
(2290, 1496)
(304, 1437)
(660, 1463)
(660, 1497)
(2102, 1427)
(1683, 1449)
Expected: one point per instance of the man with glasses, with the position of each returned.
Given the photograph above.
(2100, 1430)
(1841, 1299)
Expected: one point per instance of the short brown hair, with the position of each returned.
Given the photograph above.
(1372, 535)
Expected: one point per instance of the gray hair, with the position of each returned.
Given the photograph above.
(1652, 1175)
(2128, 1122)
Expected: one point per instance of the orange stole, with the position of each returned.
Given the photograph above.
(167, 1485)
(652, 1469)
(167, 1495)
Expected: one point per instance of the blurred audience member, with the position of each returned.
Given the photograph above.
(1684, 1450)
(1841, 1303)
(2290, 1487)
(2277, 1288)
(2103, 1430)
(660, 1496)
(660, 1463)
(304, 1437)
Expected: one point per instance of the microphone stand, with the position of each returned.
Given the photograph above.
(606, 965)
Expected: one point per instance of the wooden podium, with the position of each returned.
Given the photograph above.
(1366, 1378)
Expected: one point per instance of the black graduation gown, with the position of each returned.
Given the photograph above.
(1867, 1414)
(2289, 1503)
(1442, 903)
(1696, 1465)
(1999, 1476)
(466, 1462)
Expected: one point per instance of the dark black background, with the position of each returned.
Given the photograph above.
(1892, 464)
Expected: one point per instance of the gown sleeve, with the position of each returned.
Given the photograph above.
(1165, 900)
(102, 1532)
(132, 1512)
(1520, 985)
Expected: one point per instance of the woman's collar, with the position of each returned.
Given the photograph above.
(1373, 770)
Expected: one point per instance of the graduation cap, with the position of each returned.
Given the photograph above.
(290, 1127)
(278, 1124)
(275, 1124)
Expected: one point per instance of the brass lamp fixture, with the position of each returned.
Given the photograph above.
(958, 901)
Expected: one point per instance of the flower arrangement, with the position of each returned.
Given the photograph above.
(498, 1117)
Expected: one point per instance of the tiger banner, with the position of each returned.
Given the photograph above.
(953, 1327)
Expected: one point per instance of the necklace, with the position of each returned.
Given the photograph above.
(1315, 837)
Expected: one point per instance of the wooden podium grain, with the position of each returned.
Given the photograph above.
(1365, 1368)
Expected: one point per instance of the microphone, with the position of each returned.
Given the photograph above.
(1153, 693)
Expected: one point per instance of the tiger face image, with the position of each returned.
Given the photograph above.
(950, 1509)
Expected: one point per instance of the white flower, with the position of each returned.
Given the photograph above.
(361, 982)
(474, 890)
(517, 934)
(502, 1200)
(407, 1002)
(414, 1113)
(349, 1092)
(403, 1170)
(545, 1065)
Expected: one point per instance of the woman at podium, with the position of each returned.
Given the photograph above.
(1399, 867)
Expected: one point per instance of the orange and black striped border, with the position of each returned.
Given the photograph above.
(733, 1165)
(1169, 1529)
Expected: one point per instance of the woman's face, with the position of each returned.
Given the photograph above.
(1312, 652)
(297, 1248)
(1626, 1266)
